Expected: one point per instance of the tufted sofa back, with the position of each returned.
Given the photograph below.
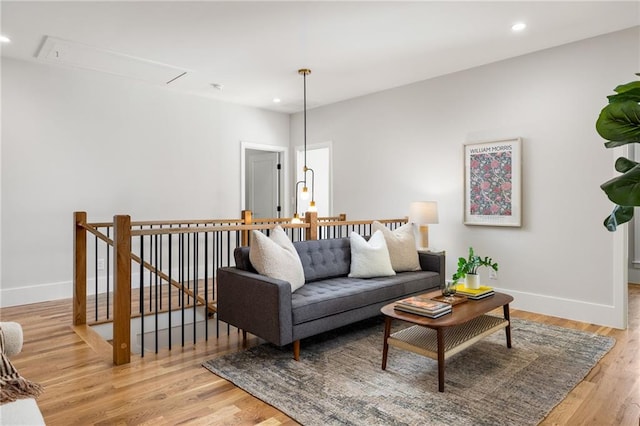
(324, 258)
(320, 258)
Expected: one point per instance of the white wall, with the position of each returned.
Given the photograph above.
(406, 144)
(83, 140)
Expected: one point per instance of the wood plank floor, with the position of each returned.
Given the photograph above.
(82, 387)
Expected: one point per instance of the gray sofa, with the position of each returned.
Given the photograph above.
(329, 299)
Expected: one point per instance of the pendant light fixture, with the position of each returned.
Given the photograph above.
(312, 203)
(305, 190)
(296, 216)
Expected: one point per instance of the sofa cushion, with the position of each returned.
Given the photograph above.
(335, 295)
(320, 258)
(401, 243)
(369, 258)
(324, 258)
(241, 257)
(276, 257)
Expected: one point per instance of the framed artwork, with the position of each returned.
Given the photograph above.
(493, 183)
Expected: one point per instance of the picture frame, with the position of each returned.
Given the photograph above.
(493, 183)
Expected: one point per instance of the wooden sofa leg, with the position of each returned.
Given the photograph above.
(296, 350)
(244, 338)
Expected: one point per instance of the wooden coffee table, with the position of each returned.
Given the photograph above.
(443, 337)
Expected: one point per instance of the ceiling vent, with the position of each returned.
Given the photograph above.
(70, 53)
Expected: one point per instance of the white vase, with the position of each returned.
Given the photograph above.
(473, 281)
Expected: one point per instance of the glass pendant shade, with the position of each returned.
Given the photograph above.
(305, 193)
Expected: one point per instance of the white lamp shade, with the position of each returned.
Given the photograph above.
(305, 193)
(423, 212)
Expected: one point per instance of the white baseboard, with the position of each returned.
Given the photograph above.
(49, 291)
(577, 310)
(35, 293)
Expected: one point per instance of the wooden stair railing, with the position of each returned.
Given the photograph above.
(79, 268)
(123, 235)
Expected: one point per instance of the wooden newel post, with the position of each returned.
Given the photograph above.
(247, 219)
(122, 290)
(311, 233)
(79, 268)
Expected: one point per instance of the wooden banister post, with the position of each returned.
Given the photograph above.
(122, 290)
(246, 220)
(79, 269)
(342, 217)
(311, 233)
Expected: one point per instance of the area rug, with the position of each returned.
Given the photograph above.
(338, 380)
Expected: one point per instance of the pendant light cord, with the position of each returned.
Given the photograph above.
(304, 79)
(304, 72)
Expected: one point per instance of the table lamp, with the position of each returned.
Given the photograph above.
(423, 213)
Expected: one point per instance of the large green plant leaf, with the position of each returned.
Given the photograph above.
(626, 87)
(619, 123)
(623, 164)
(620, 215)
(624, 190)
(632, 94)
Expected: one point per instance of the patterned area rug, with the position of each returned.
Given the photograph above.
(338, 380)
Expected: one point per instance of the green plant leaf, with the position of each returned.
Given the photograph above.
(619, 123)
(626, 87)
(623, 164)
(618, 216)
(632, 94)
(624, 190)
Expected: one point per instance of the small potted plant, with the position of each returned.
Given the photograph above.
(468, 268)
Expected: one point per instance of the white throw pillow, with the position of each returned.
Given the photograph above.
(401, 244)
(369, 258)
(276, 257)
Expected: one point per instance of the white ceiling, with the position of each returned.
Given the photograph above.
(254, 49)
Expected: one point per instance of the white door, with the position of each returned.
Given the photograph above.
(263, 184)
(318, 159)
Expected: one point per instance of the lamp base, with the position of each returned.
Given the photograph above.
(424, 237)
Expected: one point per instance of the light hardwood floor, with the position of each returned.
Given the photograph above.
(82, 387)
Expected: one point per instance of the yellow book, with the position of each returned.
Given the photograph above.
(460, 288)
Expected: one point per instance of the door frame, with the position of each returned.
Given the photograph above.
(321, 145)
(284, 156)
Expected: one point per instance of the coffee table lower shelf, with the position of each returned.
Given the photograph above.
(424, 341)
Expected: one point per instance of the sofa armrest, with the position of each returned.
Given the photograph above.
(21, 412)
(255, 303)
(13, 337)
(433, 261)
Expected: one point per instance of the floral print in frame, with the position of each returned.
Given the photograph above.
(493, 183)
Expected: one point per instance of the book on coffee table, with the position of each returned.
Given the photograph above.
(423, 305)
(410, 310)
(481, 296)
(475, 294)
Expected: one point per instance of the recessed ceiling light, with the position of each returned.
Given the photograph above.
(518, 26)
(4, 39)
(276, 100)
(217, 86)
